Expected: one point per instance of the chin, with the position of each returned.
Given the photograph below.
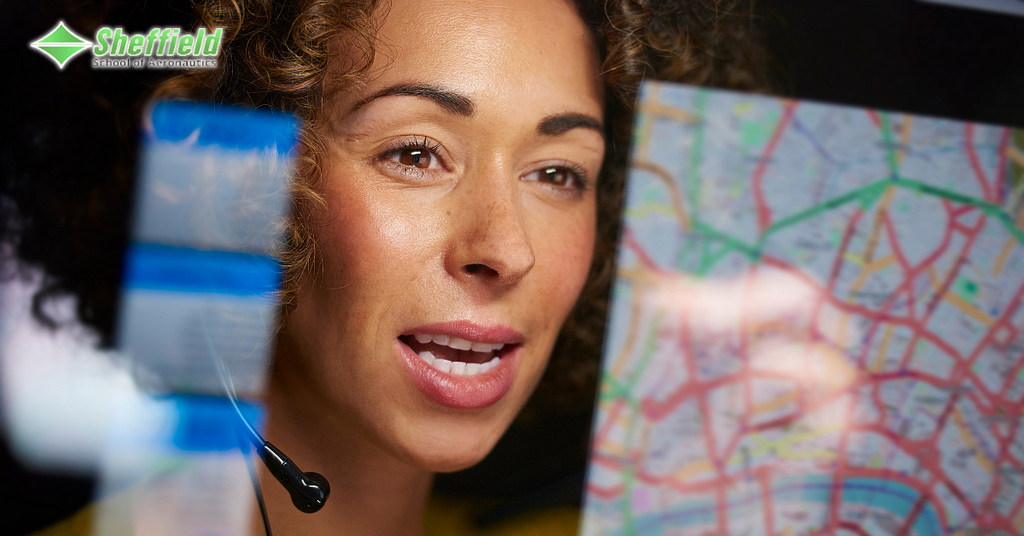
(448, 456)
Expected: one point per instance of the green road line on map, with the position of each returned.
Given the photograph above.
(626, 393)
(683, 254)
(990, 209)
(889, 144)
(618, 390)
(867, 195)
(705, 253)
(731, 242)
(870, 197)
(627, 494)
(693, 179)
(614, 389)
(709, 262)
(1011, 226)
(622, 390)
(648, 351)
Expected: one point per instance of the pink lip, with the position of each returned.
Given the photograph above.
(471, 331)
(465, 392)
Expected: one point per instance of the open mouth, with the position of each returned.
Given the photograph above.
(457, 356)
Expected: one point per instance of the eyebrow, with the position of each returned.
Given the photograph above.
(553, 125)
(450, 101)
(458, 104)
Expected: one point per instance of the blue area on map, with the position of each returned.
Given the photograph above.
(889, 495)
(160, 267)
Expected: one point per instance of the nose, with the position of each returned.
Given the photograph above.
(490, 243)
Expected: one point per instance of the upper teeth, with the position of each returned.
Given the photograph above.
(458, 367)
(457, 343)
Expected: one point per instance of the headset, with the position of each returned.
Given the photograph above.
(309, 491)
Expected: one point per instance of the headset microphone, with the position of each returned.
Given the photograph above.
(309, 491)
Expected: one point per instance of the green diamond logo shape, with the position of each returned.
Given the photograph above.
(61, 44)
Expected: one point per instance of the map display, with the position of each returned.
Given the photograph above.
(816, 326)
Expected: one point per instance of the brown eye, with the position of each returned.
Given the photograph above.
(416, 156)
(556, 175)
(413, 157)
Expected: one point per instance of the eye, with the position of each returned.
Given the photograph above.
(562, 176)
(418, 158)
(416, 155)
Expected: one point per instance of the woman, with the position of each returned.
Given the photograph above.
(456, 233)
(460, 161)
(455, 236)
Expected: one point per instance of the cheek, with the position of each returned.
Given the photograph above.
(569, 252)
(370, 242)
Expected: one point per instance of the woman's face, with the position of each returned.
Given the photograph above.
(458, 228)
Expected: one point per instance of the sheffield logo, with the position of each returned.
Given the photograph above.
(161, 48)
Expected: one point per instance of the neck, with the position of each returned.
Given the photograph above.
(372, 492)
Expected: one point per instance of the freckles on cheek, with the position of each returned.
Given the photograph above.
(570, 257)
(364, 236)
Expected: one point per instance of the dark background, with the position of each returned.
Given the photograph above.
(893, 54)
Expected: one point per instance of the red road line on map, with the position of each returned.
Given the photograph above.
(908, 352)
(1001, 401)
(853, 527)
(605, 493)
(775, 423)
(1017, 506)
(613, 462)
(838, 264)
(960, 211)
(721, 509)
(955, 490)
(894, 243)
(658, 410)
(1004, 145)
(935, 469)
(947, 238)
(916, 325)
(874, 118)
(610, 422)
(908, 282)
(914, 512)
(1015, 372)
(923, 377)
(748, 396)
(931, 465)
(940, 423)
(990, 335)
(734, 441)
(975, 164)
(764, 480)
(630, 241)
(764, 214)
(951, 276)
(839, 475)
(961, 227)
(868, 313)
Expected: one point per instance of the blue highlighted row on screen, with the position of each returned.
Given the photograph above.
(229, 127)
(161, 267)
(210, 423)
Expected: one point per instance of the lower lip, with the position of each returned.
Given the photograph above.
(461, 392)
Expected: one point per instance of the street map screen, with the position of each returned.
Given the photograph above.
(816, 325)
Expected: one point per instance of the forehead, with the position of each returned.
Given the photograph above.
(509, 53)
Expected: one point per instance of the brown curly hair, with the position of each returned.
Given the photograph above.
(279, 55)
